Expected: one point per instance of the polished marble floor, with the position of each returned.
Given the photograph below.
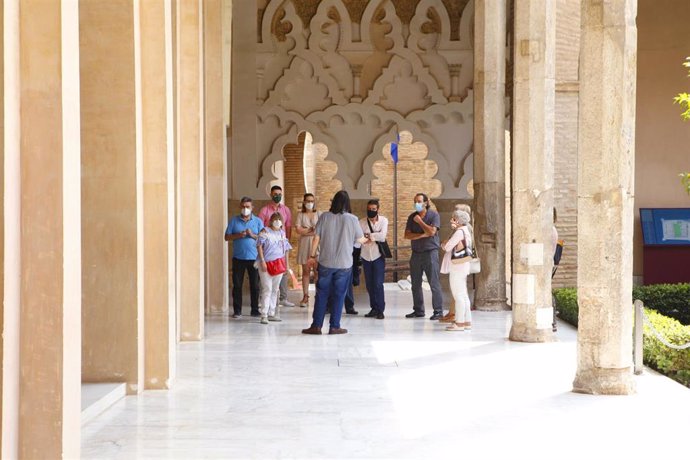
(392, 389)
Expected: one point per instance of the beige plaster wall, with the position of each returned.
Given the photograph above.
(662, 138)
(109, 194)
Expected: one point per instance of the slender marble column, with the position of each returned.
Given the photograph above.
(42, 211)
(489, 151)
(216, 182)
(608, 61)
(112, 198)
(155, 93)
(190, 179)
(533, 141)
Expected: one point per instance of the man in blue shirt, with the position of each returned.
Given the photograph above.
(243, 230)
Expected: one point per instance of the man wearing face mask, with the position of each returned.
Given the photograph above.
(242, 230)
(375, 228)
(265, 215)
(422, 230)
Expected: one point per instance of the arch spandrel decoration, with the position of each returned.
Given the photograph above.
(352, 85)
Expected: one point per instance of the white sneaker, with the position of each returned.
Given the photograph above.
(274, 318)
(264, 320)
(286, 303)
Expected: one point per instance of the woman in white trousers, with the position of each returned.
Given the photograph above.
(457, 272)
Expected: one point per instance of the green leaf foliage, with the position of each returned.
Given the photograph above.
(566, 304)
(672, 300)
(685, 180)
(670, 362)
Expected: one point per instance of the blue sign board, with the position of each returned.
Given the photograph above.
(665, 226)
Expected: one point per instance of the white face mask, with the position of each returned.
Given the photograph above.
(246, 211)
(277, 224)
(309, 206)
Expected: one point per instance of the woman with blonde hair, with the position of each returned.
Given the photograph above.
(450, 317)
(460, 242)
(305, 226)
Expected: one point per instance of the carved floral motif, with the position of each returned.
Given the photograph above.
(362, 71)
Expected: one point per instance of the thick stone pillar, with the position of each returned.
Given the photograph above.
(190, 177)
(42, 284)
(112, 198)
(533, 141)
(608, 60)
(155, 96)
(216, 182)
(489, 151)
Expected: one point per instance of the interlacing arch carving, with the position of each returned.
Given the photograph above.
(351, 83)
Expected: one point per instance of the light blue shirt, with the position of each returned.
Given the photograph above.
(244, 248)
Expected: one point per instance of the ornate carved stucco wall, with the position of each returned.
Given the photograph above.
(353, 73)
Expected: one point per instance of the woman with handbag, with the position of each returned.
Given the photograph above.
(450, 317)
(375, 228)
(456, 262)
(272, 246)
(305, 227)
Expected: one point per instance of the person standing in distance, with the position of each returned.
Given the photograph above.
(336, 233)
(243, 230)
(305, 226)
(422, 230)
(375, 228)
(265, 215)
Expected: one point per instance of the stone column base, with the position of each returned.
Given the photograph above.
(524, 333)
(491, 304)
(600, 381)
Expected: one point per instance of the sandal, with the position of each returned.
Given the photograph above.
(455, 327)
(305, 302)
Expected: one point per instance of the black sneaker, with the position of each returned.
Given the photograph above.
(255, 313)
(371, 314)
(380, 315)
(415, 314)
(351, 312)
(436, 316)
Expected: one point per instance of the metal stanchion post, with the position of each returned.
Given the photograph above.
(638, 330)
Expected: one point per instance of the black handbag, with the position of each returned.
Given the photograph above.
(384, 249)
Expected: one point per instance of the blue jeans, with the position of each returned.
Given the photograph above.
(374, 272)
(332, 283)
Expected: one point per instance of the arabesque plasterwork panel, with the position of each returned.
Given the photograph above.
(353, 84)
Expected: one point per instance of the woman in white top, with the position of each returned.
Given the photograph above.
(375, 228)
(450, 317)
(457, 272)
(304, 226)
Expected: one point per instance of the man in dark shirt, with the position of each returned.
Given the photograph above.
(422, 230)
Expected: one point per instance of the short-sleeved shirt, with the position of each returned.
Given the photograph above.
(244, 248)
(267, 211)
(274, 244)
(429, 243)
(337, 236)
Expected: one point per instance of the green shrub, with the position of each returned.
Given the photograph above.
(670, 362)
(566, 304)
(672, 300)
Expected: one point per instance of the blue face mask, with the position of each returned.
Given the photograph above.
(419, 207)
